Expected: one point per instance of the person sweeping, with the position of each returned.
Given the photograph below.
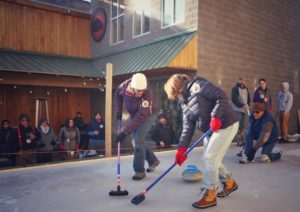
(206, 106)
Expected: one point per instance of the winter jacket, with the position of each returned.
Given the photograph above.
(201, 100)
(238, 96)
(259, 96)
(95, 125)
(69, 137)
(25, 142)
(285, 99)
(259, 131)
(9, 139)
(48, 140)
(160, 132)
(139, 108)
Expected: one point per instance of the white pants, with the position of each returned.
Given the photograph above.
(215, 148)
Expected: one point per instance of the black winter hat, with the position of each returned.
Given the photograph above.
(23, 116)
(162, 116)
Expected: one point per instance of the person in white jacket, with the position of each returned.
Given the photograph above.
(284, 105)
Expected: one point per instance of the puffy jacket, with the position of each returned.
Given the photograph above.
(200, 101)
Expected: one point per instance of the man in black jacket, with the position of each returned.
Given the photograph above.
(28, 137)
(240, 98)
(162, 133)
(9, 141)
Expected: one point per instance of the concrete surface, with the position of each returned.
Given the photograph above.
(84, 186)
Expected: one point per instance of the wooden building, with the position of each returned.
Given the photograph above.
(45, 53)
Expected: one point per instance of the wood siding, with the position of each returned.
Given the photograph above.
(31, 29)
(61, 104)
(187, 57)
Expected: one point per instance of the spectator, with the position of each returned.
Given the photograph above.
(69, 139)
(138, 99)
(263, 95)
(47, 142)
(204, 106)
(79, 123)
(284, 105)
(240, 98)
(78, 120)
(9, 142)
(96, 132)
(162, 133)
(263, 133)
(28, 139)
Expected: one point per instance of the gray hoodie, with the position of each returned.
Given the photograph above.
(284, 98)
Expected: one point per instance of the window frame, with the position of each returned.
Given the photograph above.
(117, 17)
(174, 15)
(142, 21)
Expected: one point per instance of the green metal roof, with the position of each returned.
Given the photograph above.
(153, 55)
(46, 64)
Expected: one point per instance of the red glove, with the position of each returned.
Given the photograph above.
(215, 124)
(76, 146)
(61, 147)
(180, 158)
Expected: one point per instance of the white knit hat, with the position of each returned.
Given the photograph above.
(139, 81)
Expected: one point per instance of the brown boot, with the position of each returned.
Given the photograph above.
(228, 187)
(209, 199)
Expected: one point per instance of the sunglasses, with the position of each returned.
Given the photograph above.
(24, 120)
(257, 111)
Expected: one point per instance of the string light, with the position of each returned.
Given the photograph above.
(15, 87)
(30, 91)
(84, 83)
(48, 92)
(66, 90)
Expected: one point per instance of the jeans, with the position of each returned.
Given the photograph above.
(142, 152)
(242, 117)
(98, 145)
(215, 148)
(266, 148)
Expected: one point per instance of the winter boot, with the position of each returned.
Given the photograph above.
(139, 176)
(152, 167)
(208, 199)
(265, 158)
(228, 187)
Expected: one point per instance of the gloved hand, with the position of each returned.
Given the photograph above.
(180, 158)
(119, 115)
(76, 146)
(61, 147)
(215, 124)
(251, 154)
(120, 138)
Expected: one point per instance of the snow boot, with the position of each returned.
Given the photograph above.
(139, 176)
(208, 199)
(228, 187)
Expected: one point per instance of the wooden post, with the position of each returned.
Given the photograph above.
(108, 110)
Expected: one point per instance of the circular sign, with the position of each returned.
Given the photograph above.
(98, 24)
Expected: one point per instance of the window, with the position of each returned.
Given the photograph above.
(141, 17)
(172, 12)
(117, 21)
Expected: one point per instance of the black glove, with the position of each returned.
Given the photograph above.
(120, 138)
(251, 154)
(119, 115)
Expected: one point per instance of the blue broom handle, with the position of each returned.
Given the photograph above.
(174, 164)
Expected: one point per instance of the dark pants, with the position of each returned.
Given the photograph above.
(142, 152)
(44, 157)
